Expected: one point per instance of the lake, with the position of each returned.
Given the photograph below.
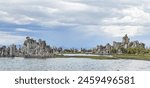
(72, 64)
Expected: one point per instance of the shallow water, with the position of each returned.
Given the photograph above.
(72, 64)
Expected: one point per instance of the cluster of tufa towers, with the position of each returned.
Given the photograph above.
(39, 49)
(118, 46)
(31, 48)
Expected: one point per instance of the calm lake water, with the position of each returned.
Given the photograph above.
(72, 64)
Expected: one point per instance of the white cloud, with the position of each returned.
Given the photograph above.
(119, 31)
(13, 18)
(93, 18)
(24, 30)
(76, 7)
(8, 38)
(135, 14)
(64, 12)
(46, 12)
(112, 31)
(129, 16)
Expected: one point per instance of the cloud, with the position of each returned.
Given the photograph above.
(119, 31)
(8, 38)
(48, 13)
(71, 12)
(112, 31)
(24, 30)
(16, 19)
(98, 18)
(129, 16)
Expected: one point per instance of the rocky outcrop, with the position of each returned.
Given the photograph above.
(125, 41)
(103, 50)
(118, 46)
(30, 49)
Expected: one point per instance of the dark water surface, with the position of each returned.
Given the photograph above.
(72, 64)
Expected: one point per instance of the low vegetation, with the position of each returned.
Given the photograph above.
(132, 56)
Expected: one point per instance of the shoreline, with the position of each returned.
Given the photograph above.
(114, 57)
(100, 57)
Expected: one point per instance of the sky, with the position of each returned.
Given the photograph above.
(74, 23)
